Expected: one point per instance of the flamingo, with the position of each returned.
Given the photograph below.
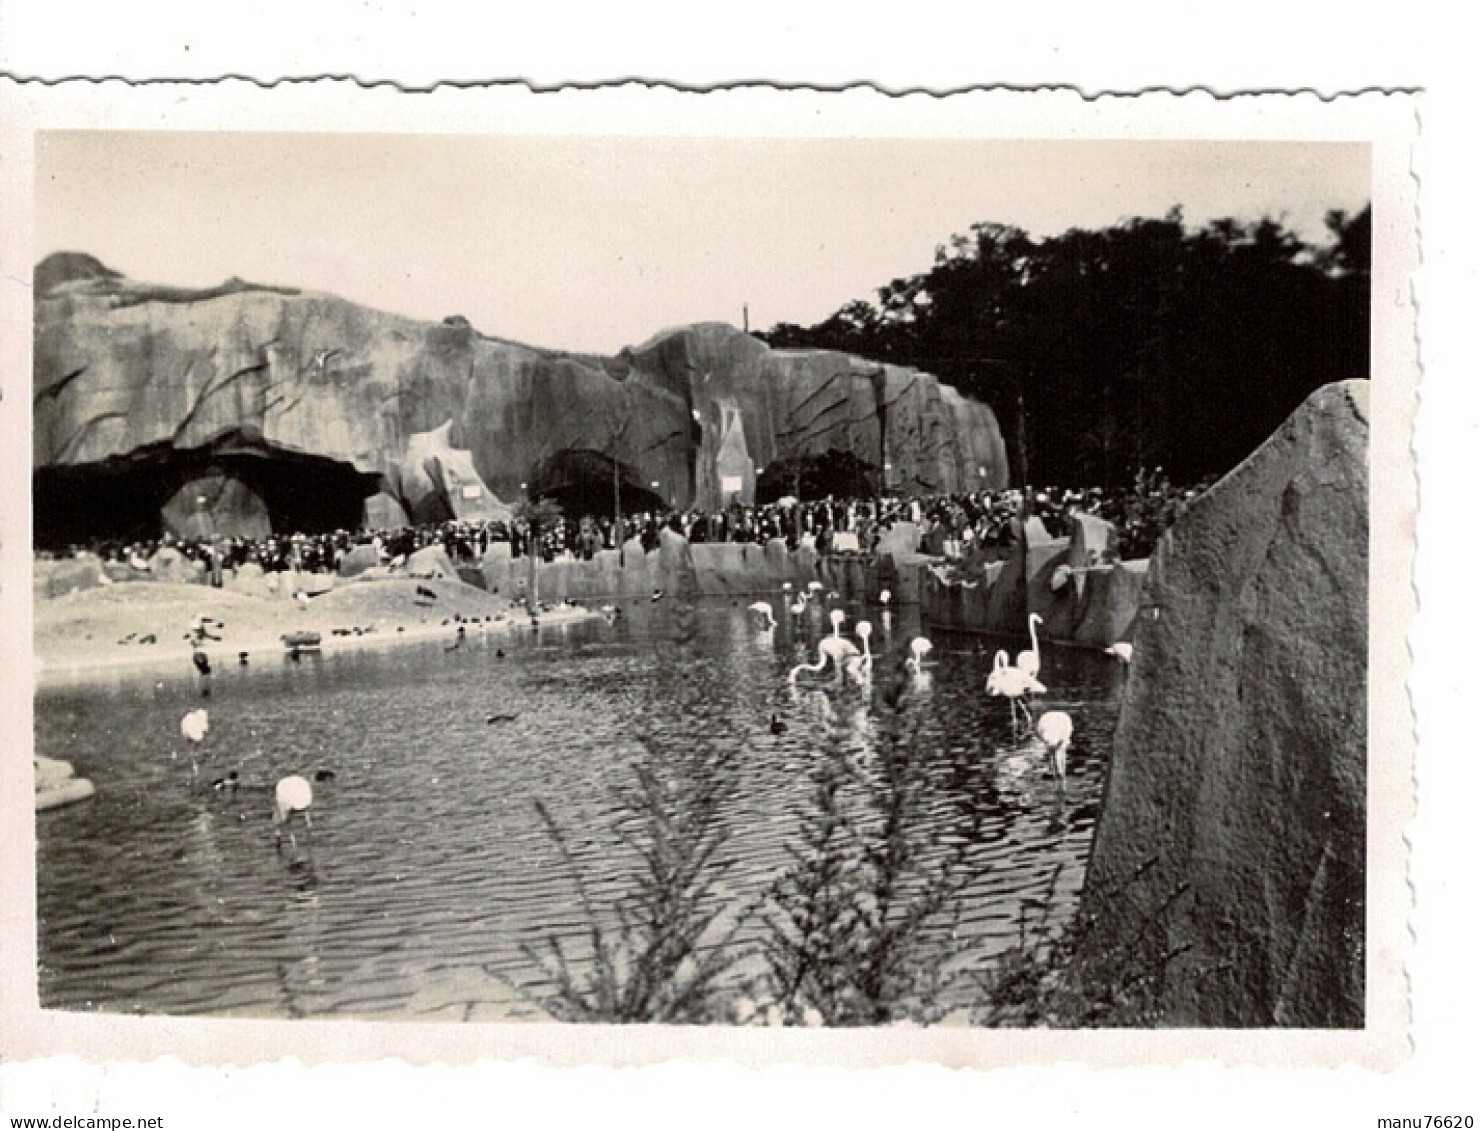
(799, 607)
(1012, 682)
(1054, 729)
(1122, 650)
(920, 646)
(194, 725)
(291, 795)
(835, 648)
(1029, 662)
(837, 618)
(193, 728)
(764, 609)
(860, 666)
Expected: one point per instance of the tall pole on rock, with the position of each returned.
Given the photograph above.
(614, 444)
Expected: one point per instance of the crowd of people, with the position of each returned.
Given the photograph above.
(948, 525)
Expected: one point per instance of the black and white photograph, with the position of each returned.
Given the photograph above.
(885, 575)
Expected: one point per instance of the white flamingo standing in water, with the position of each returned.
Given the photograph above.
(763, 610)
(831, 648)
(291, 795)
(920, 646)
(1014, 683)
(1029, 662)
(193, 728)
(1054, 728)
(837, 619)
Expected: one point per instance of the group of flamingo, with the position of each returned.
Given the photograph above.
(1021, 679)
(292, 796)
(837, 649)
(1015, 682)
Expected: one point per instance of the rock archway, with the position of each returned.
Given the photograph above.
(582, 481)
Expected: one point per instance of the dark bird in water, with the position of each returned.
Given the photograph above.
(147, 638)
(658, 595)
(424, 591)
(227, 784)
(500, 719)
(499, 653)
(242, 657)
(324, 775)
(203, 665)
(777, 726)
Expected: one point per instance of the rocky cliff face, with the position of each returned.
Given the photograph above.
(312, 402)
(1227, 879)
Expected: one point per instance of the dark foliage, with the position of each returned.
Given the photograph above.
(1143, 344)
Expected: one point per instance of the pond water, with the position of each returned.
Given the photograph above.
(429, 873)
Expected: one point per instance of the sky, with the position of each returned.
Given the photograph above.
(594, 243)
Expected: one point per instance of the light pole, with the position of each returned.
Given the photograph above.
(208, 526)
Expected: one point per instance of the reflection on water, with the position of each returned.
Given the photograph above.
(428, 868)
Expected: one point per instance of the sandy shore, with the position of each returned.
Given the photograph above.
(102, 628)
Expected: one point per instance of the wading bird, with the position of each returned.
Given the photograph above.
(764, 611)
(193, 728)
(920, 646)
(1122, 650)
(1014, 683)
(1054, 729)
(835, 648)
(1029, 662)
(860, 666)
(291, 795)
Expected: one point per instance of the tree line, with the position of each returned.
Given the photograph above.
(1146, 344)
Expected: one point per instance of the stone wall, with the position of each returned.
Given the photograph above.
(1083, 599)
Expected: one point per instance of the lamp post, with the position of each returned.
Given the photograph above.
(208, 526)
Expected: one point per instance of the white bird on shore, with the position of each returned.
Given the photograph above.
(291, 795)
(1122, 650)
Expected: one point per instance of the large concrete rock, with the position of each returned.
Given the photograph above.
(307, 390)
(431, 561)
(439, 482)
(1227, 878)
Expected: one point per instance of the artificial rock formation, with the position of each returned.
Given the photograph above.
(312, 404)
(1227, 880)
